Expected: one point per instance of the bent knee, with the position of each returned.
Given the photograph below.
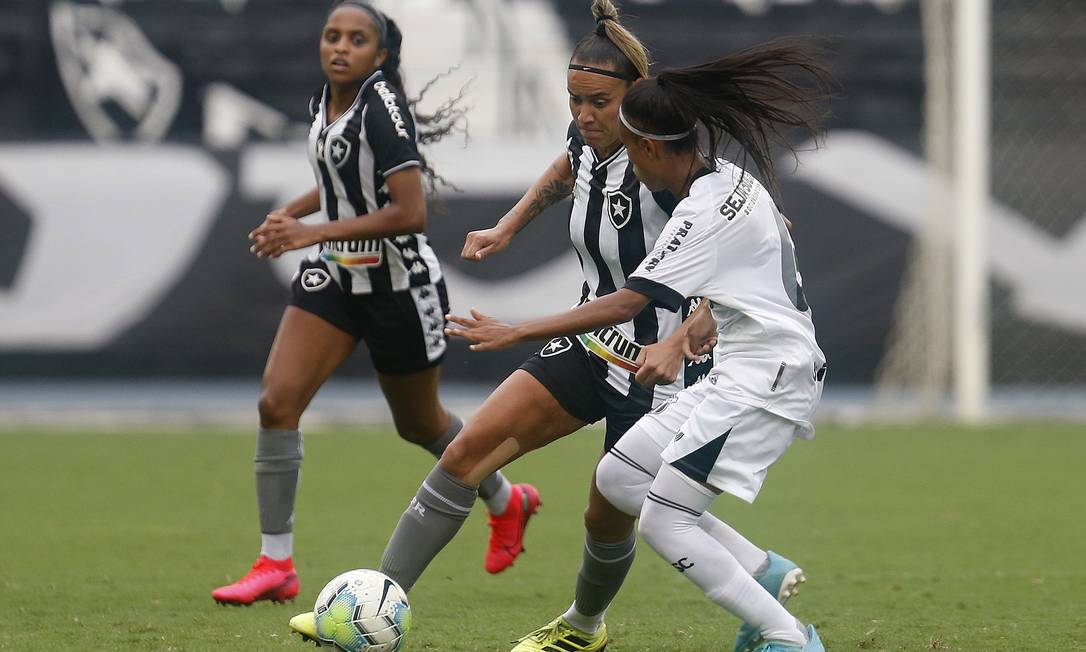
(279, 409)
(653, 525)
(624, 487)
(420, 432)
(477, 452)
(605, 522)
(459, 458)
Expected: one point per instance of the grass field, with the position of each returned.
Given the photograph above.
(918, 538)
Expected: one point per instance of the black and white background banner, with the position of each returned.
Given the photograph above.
(140, 141)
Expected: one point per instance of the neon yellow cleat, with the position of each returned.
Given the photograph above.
(305, 625)
(560, 635)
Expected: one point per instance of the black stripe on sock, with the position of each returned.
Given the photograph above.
(630, 462)
(660, 500)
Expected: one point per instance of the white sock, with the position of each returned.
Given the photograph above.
(587, 624)
(277, 546)
(669, 523)
(752, 558)
(497, 503)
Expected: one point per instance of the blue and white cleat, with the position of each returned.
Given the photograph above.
(814, 644)
(780, 579)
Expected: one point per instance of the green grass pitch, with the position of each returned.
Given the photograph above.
(913, 538)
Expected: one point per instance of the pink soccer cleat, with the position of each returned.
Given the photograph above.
(269, 579)
(507, 529)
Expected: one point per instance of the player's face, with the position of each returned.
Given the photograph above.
(645, 156)
(593, 101)
(350, 46)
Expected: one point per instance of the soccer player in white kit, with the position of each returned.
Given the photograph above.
(726, 241)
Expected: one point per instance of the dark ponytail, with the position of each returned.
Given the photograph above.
(752, 97)
(393, 41)
(448, 118)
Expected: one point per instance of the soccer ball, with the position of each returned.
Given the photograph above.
(362, 611)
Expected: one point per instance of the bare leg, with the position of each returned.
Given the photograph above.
(305, 352)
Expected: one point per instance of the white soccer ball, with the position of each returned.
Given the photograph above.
(362, 611)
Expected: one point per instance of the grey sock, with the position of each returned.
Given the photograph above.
(433, 518)
(603, 569)
(438, 446)
(494, 489)
(278, 463)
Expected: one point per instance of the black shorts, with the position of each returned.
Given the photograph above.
(404, 331)
(578, 381)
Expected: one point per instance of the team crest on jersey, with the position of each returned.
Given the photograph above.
(619, 208)
(339, 150)
(555, 347)
(316, 279)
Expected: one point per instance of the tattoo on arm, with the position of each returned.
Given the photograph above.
(548, 195)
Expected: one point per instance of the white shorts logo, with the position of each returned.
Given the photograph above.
(555, 347)
(314, 280)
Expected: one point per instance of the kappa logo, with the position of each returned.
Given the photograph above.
(339, 150)
(557, 346)
(619, 208)
(314, 280)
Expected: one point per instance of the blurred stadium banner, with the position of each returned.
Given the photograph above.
(140, 141)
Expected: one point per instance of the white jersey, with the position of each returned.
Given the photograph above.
(351, 159)
(727, 242)
(613, 224)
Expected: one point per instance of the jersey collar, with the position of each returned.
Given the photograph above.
(370, 81)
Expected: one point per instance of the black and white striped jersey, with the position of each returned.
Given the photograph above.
(614, 223)
(351, 158)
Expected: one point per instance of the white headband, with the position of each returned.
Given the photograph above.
(644, 134)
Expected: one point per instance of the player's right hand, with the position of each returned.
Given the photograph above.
(480, 244)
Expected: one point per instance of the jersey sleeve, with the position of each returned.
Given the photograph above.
(574, 143)
(682, 264)
(390, 130)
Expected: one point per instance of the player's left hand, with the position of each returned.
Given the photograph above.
(660, 364)
(488, 333)
(280, 233)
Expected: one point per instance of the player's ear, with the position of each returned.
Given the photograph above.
(382, 56)
(652, 148)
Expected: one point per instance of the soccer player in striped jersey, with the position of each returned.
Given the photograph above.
(727, 242)
(575, 380)
(372, 277)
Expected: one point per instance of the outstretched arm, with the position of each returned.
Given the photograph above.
(489, 334)
(555, 184)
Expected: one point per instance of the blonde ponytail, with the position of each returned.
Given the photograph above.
(606, 15)
(612, 43)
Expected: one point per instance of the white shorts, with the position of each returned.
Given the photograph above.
(716, 440)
